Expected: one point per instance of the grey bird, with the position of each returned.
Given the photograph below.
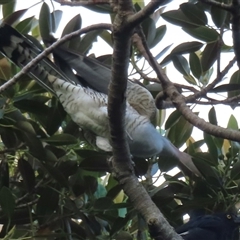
(85, 98)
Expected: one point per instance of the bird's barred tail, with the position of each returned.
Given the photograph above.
(20, 50)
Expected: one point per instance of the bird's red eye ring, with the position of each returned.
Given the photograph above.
(229, 216)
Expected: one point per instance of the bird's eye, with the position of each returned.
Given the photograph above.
(229, 216)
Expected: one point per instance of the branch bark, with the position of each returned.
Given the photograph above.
(121, 161)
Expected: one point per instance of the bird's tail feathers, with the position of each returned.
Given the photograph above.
(20, 50)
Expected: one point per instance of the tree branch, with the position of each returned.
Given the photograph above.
(121, 162)
(82, 2)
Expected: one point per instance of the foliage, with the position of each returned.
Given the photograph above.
(54, 183)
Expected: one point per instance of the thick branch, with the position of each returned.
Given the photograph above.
(122, 32)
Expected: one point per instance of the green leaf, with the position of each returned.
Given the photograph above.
(187, 47)
(56, 19)
(32, 106)
(15, 16)
(180, 132)
(95, 164)
(212, 116)
(149, 30)
(209, 55)
(7, 201)
(235, 171)
(61, 139)
(212, 148)
(45, 22)
(5, 1)
(87, 41)
(56, 174)
(194, 13)
(181, 64)
(177, 17)
(4, 174)
(208, 172)
(73, 25)
(235, 79)
(27, 174)
(203, 33)
(195, 65)
(107, 37)
(172, 119)
(8, 9)
(119, 224)
(232, 123)
(218, 16)
(47, 204)
(160, 32)
(190, 79)
(27, 25)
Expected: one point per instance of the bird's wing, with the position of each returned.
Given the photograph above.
(97, 76)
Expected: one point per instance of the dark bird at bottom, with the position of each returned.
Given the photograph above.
(219, 226)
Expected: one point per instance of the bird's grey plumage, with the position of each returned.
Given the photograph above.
(87, 106)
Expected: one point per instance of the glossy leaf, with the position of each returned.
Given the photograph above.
(160, 33)
(45, 207)
(74, 24)
(212, 116)
(218, 16)
(177, 17)
(27, 25)
(235, 171)
(149, 30)
(107, 37)
(172, 119)
(203, 33)
(180, 132)
(5, 1)
(4, 174)
(27, 174)
(7, 201)
(45, 22)
(235, 79)
(61, 139)
(212, 148)
(87, 41)
(209, 55)
(8, 9)
(56, 18)
(181, 64)
(209, 173)
(232, 123)
(187, 47)
(15, 16)
(195, 65)
(194, 13)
